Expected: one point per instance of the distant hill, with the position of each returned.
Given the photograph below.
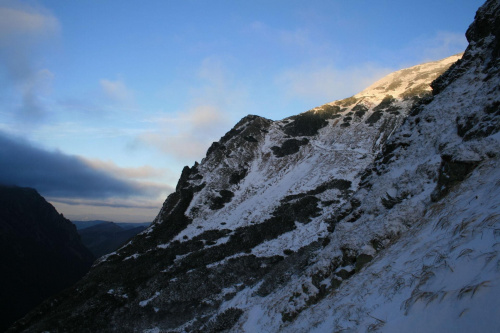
(40, 252)
(125, 225)
(85, 224)
(106, 237)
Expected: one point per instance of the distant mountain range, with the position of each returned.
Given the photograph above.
(125, 225)
(103, 237)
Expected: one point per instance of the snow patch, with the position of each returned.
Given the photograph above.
(145, 302)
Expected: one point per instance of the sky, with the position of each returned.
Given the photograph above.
(102, 103)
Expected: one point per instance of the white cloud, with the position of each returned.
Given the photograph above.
(24, 32)
(26, 22)
(117, 91)
(33, 91)
(326, 82)
(188, 135)
(212, 70)
(215, 104)
(142, 172)
(298, 39)
(312, 73)
(424, 49)
(442, 45)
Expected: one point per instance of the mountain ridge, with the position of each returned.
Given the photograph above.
(285, 168)
(281, 218)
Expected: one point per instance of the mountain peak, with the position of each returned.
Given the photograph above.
(403, 84)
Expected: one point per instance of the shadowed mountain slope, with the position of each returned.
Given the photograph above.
(40, 252)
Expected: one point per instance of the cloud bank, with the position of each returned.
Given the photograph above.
(58, 175)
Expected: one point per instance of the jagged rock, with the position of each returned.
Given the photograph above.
(289, 147)
(451, 172)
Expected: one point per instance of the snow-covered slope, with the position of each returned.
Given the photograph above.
(272, 230)
(441, 276)
(431, 198)
(261, 163)
(407, 82)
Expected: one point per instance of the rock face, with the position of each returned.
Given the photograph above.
(40, 252)
(353, 216)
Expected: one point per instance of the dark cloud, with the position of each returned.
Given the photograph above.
(56, 174)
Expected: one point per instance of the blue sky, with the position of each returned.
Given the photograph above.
(113, 98)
